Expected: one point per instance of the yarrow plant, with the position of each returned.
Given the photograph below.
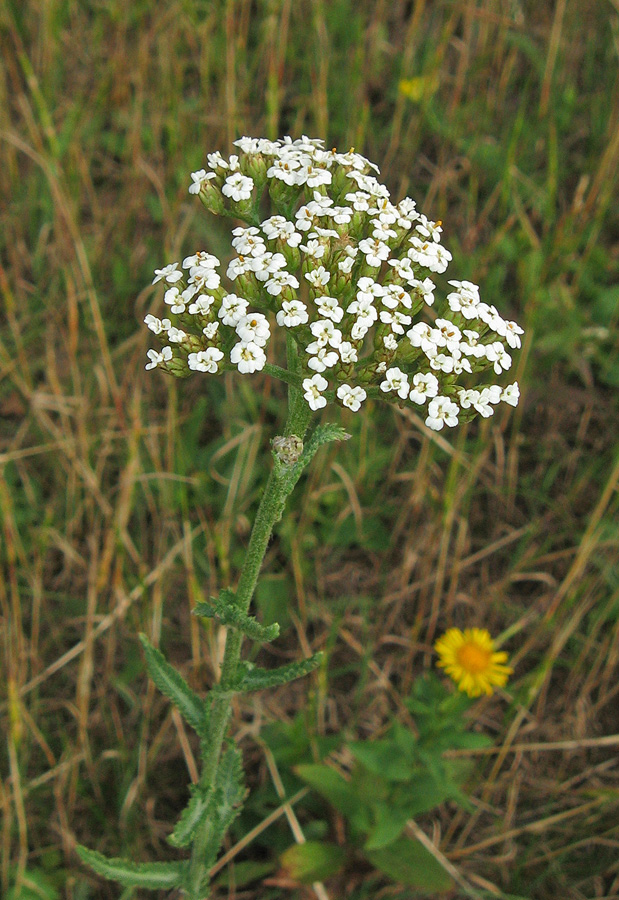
(326, 259)
(347, 275)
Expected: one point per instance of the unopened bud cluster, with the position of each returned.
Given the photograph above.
(347, 273)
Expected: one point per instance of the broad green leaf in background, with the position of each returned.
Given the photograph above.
(407, 862)
(313, 861)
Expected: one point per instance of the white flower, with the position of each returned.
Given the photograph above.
(424, 386)
(175, 300)
(248, 242)
(313, 176)
(352, 397)
(359, 200)
(421, 335)
(396, 296)
(429, 229)
(390, 342)
(360, 328)
(324, 358)
(442, 363)
(198, 179)
(442, 411)
(461, 365)
(157, 325)
(232, 309)
(313, 387)
(396, 380)
(363, 306)
(255, 328)
(157, 358)
(205, 360)
(210, 330)
(202, 279)
(284, 170)
(511, 394)
(375, 252)
(472, 347)
(200, 306)
(395, 319)
(248, 357)
(424, 289)
(329, 308)
(446, 334)
(370, 288)
(238, 187)
(176, 335)
(497, 354)
(268, 264)
(279, 227)
(348, 353)
(202, 260)
(170, 273)
(305, 218)
(341, 215)
(326, 333)
(239, 266)
(512, 334)
(216, 160)
(318, 277)
(292, 313)
(278, 281)
(314, 248)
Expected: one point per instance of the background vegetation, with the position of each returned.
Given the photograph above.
(125, 498)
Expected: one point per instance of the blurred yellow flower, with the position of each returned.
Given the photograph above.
(469, 658)
(417, 89)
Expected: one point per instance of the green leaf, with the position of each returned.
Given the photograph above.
(129, 874)
(173, 685)
(243, 873)
(408, 862)
(333, 787)
(390, 822)
(312, 861)
(224, 803)
(191, 818)
(224, 609)
(423, 793)
(254, 679)
(384, 758)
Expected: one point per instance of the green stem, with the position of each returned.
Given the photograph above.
(269, 512)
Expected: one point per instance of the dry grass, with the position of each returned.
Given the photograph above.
(125, 499)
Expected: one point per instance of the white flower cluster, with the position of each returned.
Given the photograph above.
(343, 270)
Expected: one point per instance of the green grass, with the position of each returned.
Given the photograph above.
(126, 498)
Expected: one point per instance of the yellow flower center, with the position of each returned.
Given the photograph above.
(473, 658)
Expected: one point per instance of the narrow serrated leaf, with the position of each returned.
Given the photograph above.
(190, 819)
(256, 679)
(230, 783)
(173, 685)
(234, 617)
(129, 874)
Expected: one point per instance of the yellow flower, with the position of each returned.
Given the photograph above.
(469, 658)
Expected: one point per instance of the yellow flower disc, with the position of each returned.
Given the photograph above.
(469, 658)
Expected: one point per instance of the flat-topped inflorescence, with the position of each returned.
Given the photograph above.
(347, 273)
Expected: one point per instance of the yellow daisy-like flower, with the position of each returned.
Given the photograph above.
(469, 658)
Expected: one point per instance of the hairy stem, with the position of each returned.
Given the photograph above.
(269, 512)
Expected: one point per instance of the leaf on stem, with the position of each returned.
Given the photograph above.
(223, 609)
(191, 818)
(129, 874)
(252, 678)
(171, 683)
